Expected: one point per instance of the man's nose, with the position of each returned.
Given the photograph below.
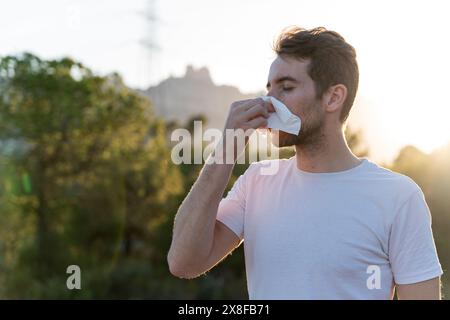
(272, 94)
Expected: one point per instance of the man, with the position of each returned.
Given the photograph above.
(327, 225)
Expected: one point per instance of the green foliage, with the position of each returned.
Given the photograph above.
(88, 178)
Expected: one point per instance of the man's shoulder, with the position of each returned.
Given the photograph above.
(390, 180)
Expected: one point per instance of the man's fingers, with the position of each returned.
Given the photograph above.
(268, 105)
(255, 111)
(247, 104)
(259, 122)
(243, 113)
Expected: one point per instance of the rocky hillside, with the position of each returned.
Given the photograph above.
(178, 99)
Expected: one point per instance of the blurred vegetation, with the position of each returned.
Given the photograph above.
(432, 173)
(87, 179)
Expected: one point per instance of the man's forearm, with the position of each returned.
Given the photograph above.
(193, 231)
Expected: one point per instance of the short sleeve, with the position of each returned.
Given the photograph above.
(412, 251)
(232, 208)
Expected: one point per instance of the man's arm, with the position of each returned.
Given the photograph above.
(425, 290)
(200, 241)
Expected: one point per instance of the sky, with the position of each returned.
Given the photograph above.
(402, 47)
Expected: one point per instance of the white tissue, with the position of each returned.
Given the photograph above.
(282, 119)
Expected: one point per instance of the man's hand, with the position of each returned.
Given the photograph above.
(244, 117)
(249, 114)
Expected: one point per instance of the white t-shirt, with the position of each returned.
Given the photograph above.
(340, 235)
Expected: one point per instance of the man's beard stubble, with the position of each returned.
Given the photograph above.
(311, 133)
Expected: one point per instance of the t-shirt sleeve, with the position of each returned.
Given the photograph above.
(412, 252)
(232, 208)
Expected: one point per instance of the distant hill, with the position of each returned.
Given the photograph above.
(178, 99)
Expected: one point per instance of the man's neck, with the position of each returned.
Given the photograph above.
(331, 154)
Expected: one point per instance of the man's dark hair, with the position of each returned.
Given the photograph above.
(333, 60)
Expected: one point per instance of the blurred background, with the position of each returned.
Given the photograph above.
(91, 91)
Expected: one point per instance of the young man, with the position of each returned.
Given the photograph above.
(327, 225)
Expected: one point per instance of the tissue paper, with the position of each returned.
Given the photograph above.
(282, 119)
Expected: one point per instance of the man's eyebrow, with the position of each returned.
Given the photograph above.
(281, 79)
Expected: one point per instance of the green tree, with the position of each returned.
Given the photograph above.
(90, 179)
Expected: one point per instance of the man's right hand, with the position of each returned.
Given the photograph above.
(249, 114)
(244, 117)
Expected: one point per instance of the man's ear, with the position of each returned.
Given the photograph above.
(334, 98)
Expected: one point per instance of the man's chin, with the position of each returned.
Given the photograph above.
(282, 139)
